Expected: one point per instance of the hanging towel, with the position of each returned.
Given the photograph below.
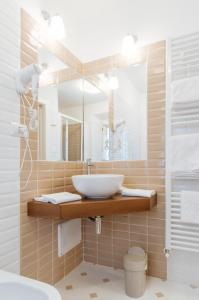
(185, 90)
(58, 198)
(137, 192)
(185, 154)
(190, 207)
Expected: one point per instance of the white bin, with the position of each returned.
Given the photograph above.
(135, 266)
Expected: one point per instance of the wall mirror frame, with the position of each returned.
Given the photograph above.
(76, 69)
(51, 177)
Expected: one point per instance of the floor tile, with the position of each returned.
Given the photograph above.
(89, 281)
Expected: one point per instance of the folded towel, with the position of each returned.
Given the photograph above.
(185, 158)
(137, 192)
(58, 198)
(185, 90)
(190, 207)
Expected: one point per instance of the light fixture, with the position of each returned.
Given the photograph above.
(57, 28)
(55, 25)
(113, 83)
(129, 45)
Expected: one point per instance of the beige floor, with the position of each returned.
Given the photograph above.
(90, 281)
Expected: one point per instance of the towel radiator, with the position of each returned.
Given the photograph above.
(182, 62)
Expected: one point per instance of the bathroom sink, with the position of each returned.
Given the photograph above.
(15, 287)
(98, 185)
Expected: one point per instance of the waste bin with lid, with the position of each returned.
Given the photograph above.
(135, 266)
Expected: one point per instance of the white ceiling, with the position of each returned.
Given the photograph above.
(71, 94)
(95, 28)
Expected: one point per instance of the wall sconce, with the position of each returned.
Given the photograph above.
(55, 25)
(129, 45)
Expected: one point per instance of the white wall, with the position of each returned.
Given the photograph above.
(95, 28)
(93, 129)
(183, 266)
(9, 145)
(92, 126)
(49, 97)
(74, 112)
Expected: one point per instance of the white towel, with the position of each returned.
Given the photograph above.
(185, 90)
(190, 207)
(58, 198)
(185, 154)
(137, 192)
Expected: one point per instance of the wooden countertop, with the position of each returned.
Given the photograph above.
(91, 207)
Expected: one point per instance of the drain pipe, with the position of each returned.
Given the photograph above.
(98, 223)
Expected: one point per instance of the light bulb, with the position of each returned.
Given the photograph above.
(129, 45)
(113, 83)
(56, 27)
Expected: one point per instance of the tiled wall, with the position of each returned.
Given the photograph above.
(146, 229)
(9, 144)
(39, 256)
(119, 232)
(74, 142)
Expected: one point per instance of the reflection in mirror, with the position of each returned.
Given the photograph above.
(60, 115)
(71, 112)
(50, 61)
(115, 115)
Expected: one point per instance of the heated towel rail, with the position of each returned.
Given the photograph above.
(182, 62)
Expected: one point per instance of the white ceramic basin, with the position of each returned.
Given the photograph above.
(15, 287)
(98, 185)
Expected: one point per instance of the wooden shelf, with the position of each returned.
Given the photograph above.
(91, 207)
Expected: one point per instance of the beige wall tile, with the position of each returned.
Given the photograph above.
(139, 229)
(39, 257)
(39, 237)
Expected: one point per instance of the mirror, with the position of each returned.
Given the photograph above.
(102, 117)
(115, 115)
(60, 115)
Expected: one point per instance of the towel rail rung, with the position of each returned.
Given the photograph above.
(183, 118)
